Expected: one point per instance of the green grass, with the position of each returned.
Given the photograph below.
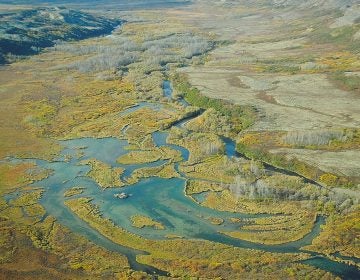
(338, 36)
(351, 83)
(241, 117)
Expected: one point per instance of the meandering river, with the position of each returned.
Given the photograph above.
(161, 199)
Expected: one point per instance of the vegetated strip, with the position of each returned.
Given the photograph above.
(241, 116)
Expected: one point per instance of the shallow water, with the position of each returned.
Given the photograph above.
(344, 271)
(230, 147)
(168, 93)
(152, 106)
(161, 199)
(167, 89)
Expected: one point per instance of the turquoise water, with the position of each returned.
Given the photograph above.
(160, 140)
(230, 147)
(161, 199)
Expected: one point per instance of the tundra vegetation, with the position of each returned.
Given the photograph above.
(190, 258)
(96, 88)
(74, 191)
(146, 156)
(144, 221)
(166, 171)
(103, 174)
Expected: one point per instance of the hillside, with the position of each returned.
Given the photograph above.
(27, 31)
(111, 4)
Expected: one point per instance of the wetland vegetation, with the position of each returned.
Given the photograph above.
(180, 112)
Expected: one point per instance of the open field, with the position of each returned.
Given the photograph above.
(297, 68)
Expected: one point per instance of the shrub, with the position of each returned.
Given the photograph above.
(313, 137)
(329, 179)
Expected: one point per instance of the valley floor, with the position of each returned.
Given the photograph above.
(184, 145)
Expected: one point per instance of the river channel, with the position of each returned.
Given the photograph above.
(163, 200)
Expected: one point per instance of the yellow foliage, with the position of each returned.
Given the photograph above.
(329, 179)
(250, 139)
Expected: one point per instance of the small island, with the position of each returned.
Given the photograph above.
(216, 221)
(141, 221)
(73, 191)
